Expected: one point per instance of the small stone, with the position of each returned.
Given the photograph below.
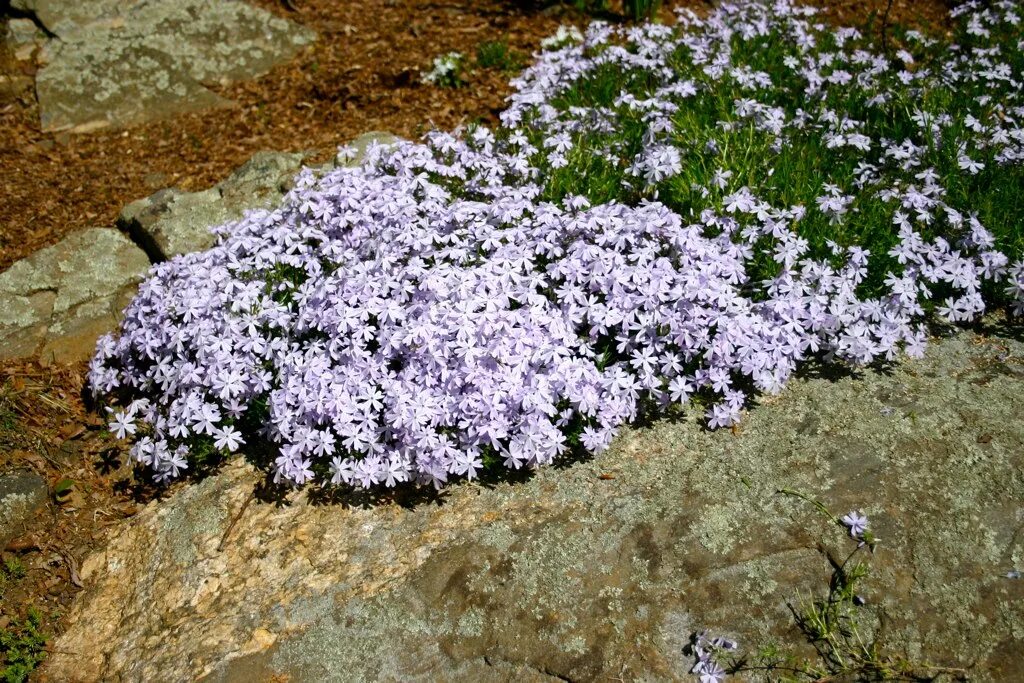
(23, 37)
(172, 222)
(262, 180)
(22, 494)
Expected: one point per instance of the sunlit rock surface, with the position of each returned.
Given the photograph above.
(602, 568)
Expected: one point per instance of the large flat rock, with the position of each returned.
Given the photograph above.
(57, 302)
(601, 569)
(121, 62)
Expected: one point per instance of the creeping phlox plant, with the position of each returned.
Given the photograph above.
(665, 214)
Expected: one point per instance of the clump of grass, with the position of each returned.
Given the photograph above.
(8, 420)
(637, 10)
(14, 568)
(496, 54)
(22, 641)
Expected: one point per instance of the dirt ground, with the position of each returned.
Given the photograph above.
(362, 74)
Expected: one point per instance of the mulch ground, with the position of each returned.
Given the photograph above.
(362, 74)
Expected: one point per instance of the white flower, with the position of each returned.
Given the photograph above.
(970, 165)
(565, 34)
(228, 439)
(446, 69)
(123, 424)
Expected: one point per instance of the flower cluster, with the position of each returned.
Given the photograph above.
(501, 297)
(706, 651)
(446, 71)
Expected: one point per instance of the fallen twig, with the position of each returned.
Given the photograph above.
(234, 520)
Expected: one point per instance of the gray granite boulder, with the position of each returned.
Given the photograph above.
(599, 570)
(57, 302)
(22, 37)
(130, 84)
(120, 62)
(22, 494)
(62, 17)
(172, 222)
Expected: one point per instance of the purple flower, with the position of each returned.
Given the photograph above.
(856, 523)
(709, 672)
(705, 650)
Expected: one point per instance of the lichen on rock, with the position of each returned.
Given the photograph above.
(121, 62)
(55, 303)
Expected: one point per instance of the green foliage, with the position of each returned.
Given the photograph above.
(496, 54)
(283, 281)
(8, 420)
(636, 10)
(204, 456)
(713, 140)
(640, 9)
(14, 568)
(22, 647)
(591, 6)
